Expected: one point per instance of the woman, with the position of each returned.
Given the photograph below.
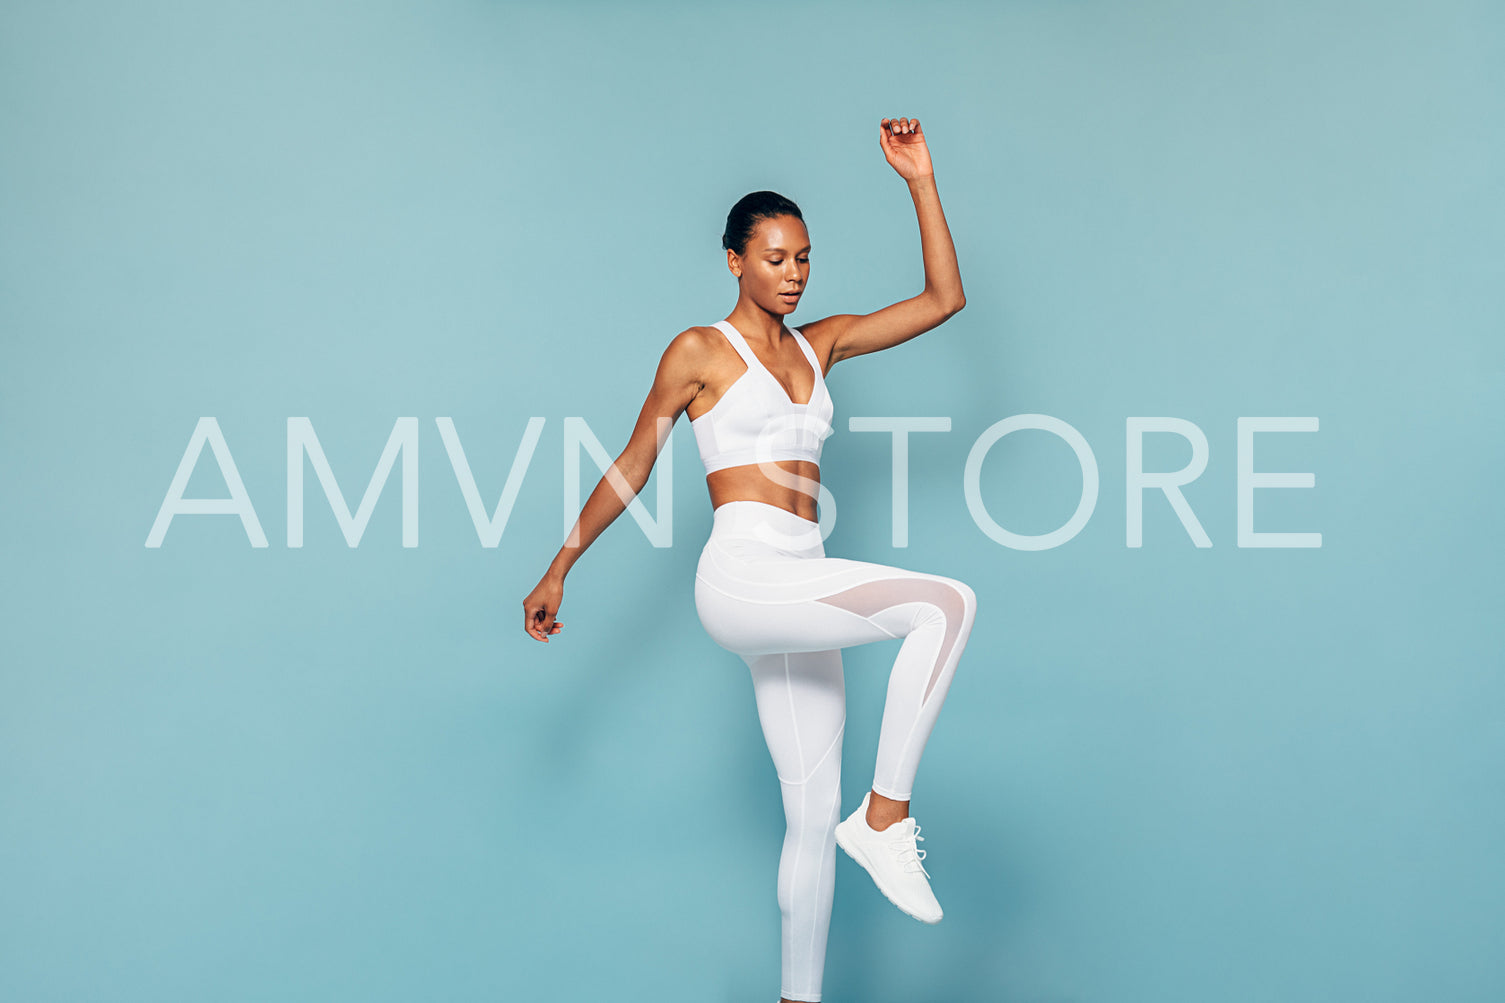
(764, 588)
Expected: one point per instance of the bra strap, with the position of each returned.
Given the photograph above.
(809, 351)
(739, 343)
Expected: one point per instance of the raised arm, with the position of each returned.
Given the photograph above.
(675, 384)
(848, 335)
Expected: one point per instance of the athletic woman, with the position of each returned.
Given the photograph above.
(764, 587)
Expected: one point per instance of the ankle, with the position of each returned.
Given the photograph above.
(883, 812)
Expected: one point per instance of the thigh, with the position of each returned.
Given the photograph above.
(754, 602)
(801, 699)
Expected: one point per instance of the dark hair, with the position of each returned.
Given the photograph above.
(750, 210)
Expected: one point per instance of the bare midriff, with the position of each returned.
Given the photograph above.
(749, 482)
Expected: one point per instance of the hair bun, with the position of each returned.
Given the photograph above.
(750, 210)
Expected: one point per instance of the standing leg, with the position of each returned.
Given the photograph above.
(801, 701)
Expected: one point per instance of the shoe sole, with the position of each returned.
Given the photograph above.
(856, 853)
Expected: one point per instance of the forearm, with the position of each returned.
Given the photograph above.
(943, 278)
(609, 499)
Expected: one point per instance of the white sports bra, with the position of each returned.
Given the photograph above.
(757, 421)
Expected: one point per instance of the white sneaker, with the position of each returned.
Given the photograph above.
(893, 860)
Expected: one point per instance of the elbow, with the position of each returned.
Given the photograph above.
(636, 464)
(947, 302)
(635, 471)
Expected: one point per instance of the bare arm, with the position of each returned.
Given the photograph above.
(675, 384)
(849, 335)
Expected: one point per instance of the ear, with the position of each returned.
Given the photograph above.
(733, 262)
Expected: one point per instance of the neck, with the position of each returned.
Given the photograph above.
(755, 323)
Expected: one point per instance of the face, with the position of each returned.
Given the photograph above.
(776, 266)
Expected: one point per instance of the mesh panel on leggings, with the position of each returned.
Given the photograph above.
(870, 598)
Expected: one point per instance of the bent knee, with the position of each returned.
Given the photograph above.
(969, 597)
(959, 601)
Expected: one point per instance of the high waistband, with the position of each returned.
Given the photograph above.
(769, 524)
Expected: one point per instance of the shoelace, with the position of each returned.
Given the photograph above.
(910, 855)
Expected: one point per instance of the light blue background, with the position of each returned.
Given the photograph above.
(1164, 774)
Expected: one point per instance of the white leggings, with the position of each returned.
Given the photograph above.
(765, 590)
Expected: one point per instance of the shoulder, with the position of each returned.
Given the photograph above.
(693, 345)
(824, 334)
(694, 352)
